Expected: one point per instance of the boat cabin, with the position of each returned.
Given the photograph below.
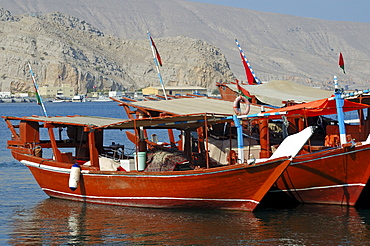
(112, 144)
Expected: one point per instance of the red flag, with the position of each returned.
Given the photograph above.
(341, 62)
(242, 91)
(156, 52)
(250, 77)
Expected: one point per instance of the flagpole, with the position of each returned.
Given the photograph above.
(38, 97)
(246, 60)
(157, 65)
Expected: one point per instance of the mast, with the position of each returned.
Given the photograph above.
(38, 97)
(156, 62)
(248, 68)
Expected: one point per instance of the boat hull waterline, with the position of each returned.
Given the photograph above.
(335, 176)
(237, 187)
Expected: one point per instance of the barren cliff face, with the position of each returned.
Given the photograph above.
(66, 50)
(279, 47)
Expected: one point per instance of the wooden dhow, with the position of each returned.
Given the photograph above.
(325, 171)
(335, 172)
(82, 167)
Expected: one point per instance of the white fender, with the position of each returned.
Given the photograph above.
(74, 176)
(237, 102)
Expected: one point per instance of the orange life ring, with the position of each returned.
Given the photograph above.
(237, 102)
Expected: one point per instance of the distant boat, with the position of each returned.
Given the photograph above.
(7, 100)
(78, 98)
(18, 99)
(57, 101)
(101, 99)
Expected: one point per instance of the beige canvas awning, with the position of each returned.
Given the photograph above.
(174, 122)
(193, 106)
(274, 92)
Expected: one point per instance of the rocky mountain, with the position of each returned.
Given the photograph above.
(278, 46)
(66, 50)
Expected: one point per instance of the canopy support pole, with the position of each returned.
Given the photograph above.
(239, 131)
(339, 103)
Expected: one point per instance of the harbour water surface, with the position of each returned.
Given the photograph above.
(28, 216)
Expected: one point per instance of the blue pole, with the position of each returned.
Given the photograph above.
(339, 101)
(239, 133)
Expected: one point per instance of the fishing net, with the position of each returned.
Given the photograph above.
(160, 159)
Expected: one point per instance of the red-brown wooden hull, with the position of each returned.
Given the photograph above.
(226, 93)
(327, 177)
(236, 187)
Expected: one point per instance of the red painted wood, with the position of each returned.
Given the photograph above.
(235, 187)
(334, 176)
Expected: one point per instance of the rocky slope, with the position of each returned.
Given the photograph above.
(278, 46)
(66, 50)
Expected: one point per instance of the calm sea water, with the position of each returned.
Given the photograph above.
(28, 216)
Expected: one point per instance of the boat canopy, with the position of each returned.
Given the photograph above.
(168, 122)
(192, 106)
(325, 106)
(275, 92)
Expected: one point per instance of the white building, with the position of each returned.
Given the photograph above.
(174, 90)
(53, 91)
(115, 94)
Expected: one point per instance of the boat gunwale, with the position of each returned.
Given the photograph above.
(164, 174)
(322, 155)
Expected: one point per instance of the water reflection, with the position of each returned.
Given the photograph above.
(319, 224)
(55, 221)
